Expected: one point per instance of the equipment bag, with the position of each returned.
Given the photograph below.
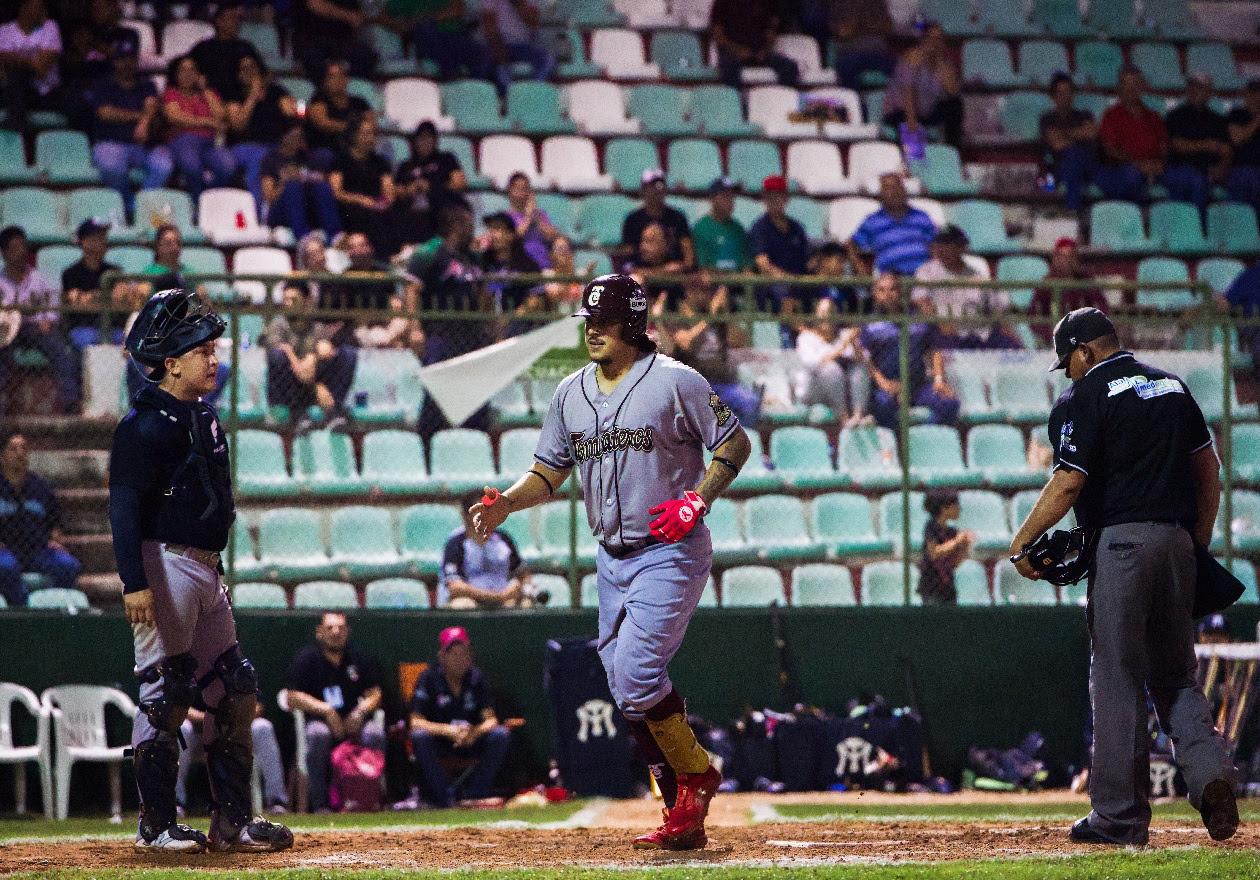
(356, 777)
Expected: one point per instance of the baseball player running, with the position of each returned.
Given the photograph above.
(635, 423)
(170, 509)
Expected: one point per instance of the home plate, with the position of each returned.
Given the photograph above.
(820, 844)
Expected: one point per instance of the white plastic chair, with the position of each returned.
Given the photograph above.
(502, 155)
(570, 164)
(853, 130)
(869, 160)
(845, 215)
(228, 216)
(620, 52)
(410, 100)
(803, 50)
(599, 107)
(150, 58)
(694, 14)
(646, 14)
(301, 770)
(78, 723)
(179, 37)
(932, 208)
(816, 167)
(269, 260)
(40, 753)
(769, 107)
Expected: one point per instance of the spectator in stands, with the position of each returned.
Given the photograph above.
(652, 259)
(831, 262)
(125, 118)
(257, 120)
(510, 29)
(329, 114)
(31, 538)
(327, 29)
(1134, 142)
(430, 177)
(654, 210)
(30, 49)
(898, 235)
(780, 249)
(744, 32)
(81, 287)
(195, 120)
(533, 226)
(219, 57)
(833, 372)
(1065, 264)
(89, 49)
(926, 88)
(363, 186)
(1069, 136)
(881, 342)
(339, 688)
(23, 287)
(1198, 145)
(440, 31)
(944, 547)
(1243, 299)
(376, 293)
(861, 29)
(168, 267)
(562, 294)
(721, 243)
(452, 717)
(504, 252)
(266, 758)
(951, 262)
(294, 195)
(481, 573)
(1243, 181)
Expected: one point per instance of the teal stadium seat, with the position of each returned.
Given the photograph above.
(13, 165)
(1165, 270)
(461, 459)
(1232, 228)
(601, 216)
(363, 543)
(516, 451)
(324, 462)
(1177, 228)
(1245, 572)
(985, 514)
(254, 595)
(693, 163)
(423, 530)
(1006, 20)
(266, 40)
(1216, 60)
(392, 57)
(38, 211)
(822, 585)
(100, 203)
(841, 522)
(301, 88)
(776, 528)
(1014, 589)
(985, 227)
(661, 108)
(393, 462)
(291, 545)
(940, 172)
(474, 105)
(998, 452)
(1246, 520)
(754, 476)
(369, 92)
(1061, 18)
(751, 162)
(802, 456)
(1020, 114)
(869, 456)
(936, 457)
(679, 55)
(625, 159)
(1245, 452)
(461, 148)
(554, 529)
(58, 598)
(157, 206)
(988, 63)
(729, 546)
(1160, 64)
(561, 595)
(325, 595)
(536, 108)
(571, 55)
(1117, 226)
(811, 214)
(718, 112)
(971, 582)
(1021, 393)
(1116, 18)
(396, 594)
(954, 18)
(243, 557)
(1218, 272)
(1040, 60)
(590, 591)
(1206, 386)
(562, 210)
(385, 383)
(891, 515)
(1022, 267)
(261, 471)
(751, 586)
(883, 584)
(53, 259)
(1098, 64)
(65, 158)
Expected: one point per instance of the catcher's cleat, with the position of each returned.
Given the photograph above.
(178, 839)
(259, 835)
(683, 827)
(1219, 809)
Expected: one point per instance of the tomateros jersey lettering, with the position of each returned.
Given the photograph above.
(613, 440)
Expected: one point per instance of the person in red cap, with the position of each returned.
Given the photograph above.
(1065, 264)
(452, 717)
(780, 247)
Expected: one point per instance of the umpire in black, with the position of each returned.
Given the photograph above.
(1134, 457)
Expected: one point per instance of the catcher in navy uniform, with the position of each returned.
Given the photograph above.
(1134, 458)
(170, 510)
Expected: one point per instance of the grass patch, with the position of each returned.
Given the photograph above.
(1011, 810)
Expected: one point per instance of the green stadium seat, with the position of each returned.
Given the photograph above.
(244, 555)
(461, 148)
(573, 62)
(1062, 18)
(822, 585)
(301, 88)
(261, 471)
(393, 463)
(869, 456)
(100, 203)
(363, 543)
(751, 586)
(1116, 18)
(423, 530)
(936, 457)
(554, 529)
(754, 476)
(1246, 521)
(1218, 272)
(536, 108)
(750, 162)
(254, 595)
(1117, 226)
(1014, 589)
(1245, 452)
(883, 584)
(971, 582)
(157, 206)
(1216, 60)
(842, 523)
(811, 214)
(803, 457)
(601, 216)
(776, 528)
(370, 92)
(1177, 228)
(954, 18)
(625, 159)
(558, 586)
(324, 462)
(1020, 393)
(461, 459)
(998, 452)
(1232, 228)
(662, 110)
(58, 598)
(516, 451)
(291, 545)
(474, 105)
(325, 595)
(1206, 386)
(890, 520)
(13, 164)
(693, 163)
(266, 39)
(679, 55)
(53, 259)
(729, 546)
(38, 211)
(396, 594)
(202, 260)
(1098, 64)
(386, 379)
(562, 210)
(128, 258)
(940, 172)
(1160, 64)
(985, 514)
(392, 57)
(719, 113)
(988, 63)
(1245, 572)
(1165, 270)
(986, 228)
(1022, 267)
(968, 384)
(65, 158)
(588, 14)
(1039, 60)
(1006, 20)
(1022, 504)
(1020, 114)
(590, 590)
(1094, 105)
(592, 262)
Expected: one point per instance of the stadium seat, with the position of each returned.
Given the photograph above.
(590, 590)
(815, 167)
(503, 155)
(1021, 112)
(265, 38)
(883, 583)
(940, 172)
(599, 108)
(890, 521)
(625, 160)
(461, 458)
(510, 404)
(1014, 589)
(1216, 60)
(202, 260)
(803, 457)
(998, 452)
(393, 58)
(1245, 572)
(601, 216)
(1176, 227)
(747, 211)
(536, 108)
(803, 49)
(461, 148)
(157, 206)
(969, 385)
(473, 105)
(729, 546)
(1020, 393)
(985, 226)
(1207, 387)
(1116, 18)
(661, 109)
(953, 17)
(868, 454)
(822, 585)
(100, 203)
(1165, 270)
(810, 213)
(325, 595)
(1006, 20)
(1022, 267)
(65, 158)
(646, 14)
(1231, 227)
(988, 63)
(423, 530)
(254, 595)
(408, 101)
(516, 451)
(363, 543)
(1098, 64)
(751, 586)
(1039, 60)
(693, 163)
(58, 598)
(229, 216)
(291, 545)
(369, 92)
(39, 211)
(621, 54)
(1218, 272)
(554, 529)
(679, 56)
(1246, 521)
(570, 164)
(846, 214)
(776, 528)
(754, 476)
(718, 112)
(570, 53)
(936, 457)
(53, 259)
(1062, 18)
(400, 594)
(593, 262)
(751, 162)
(261, 471)
(841, 522)
(1160, 64)
(242, 561)
(971, 582)
(1117, 226)
(870, 160)
(769, 108)
(1245, 452)
(13, 165)
(985, 514)
(179, 37)
(324, 462)
(260, 261)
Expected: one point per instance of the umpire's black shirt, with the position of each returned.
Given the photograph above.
(1130, 428)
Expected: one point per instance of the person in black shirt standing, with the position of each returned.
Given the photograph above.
(1134, 458)
(1198, 144)
(258, 118)
(219, 57)
(30, 526)
(339, 689)
(81, 286)
(943, 548)
(452, 717)
(1243, 180)
(364, 189)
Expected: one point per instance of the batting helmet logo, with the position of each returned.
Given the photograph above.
(593, 298)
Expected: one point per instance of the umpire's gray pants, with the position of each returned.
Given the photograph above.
(1142, 639)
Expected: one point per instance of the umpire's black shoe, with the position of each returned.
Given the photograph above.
(1083, 832)
(1219, 809)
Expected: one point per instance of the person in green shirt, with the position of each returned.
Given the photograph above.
(721, 242)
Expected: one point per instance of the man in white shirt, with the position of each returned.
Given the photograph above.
(832, 371)
(30, 48)
(951, 262)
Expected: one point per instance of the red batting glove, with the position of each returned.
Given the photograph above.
(677, 518)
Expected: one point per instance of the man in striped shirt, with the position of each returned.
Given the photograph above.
(897, 235)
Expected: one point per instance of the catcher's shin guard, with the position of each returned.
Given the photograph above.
(156, 765)
(230, 758)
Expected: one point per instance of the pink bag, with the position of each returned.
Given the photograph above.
(356, 777)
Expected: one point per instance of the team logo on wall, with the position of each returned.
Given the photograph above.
(721, 411)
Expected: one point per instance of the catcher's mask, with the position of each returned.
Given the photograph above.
(170, 324)
(1059, 557)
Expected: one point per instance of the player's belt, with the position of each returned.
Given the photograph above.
(208, 558)
(624, 550)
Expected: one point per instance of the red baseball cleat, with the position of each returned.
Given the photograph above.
(683, 827)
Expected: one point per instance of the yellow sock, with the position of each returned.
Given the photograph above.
(679, 744)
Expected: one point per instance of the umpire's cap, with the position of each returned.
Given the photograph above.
(172, 323)
(1075, 328)
(617, 297)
